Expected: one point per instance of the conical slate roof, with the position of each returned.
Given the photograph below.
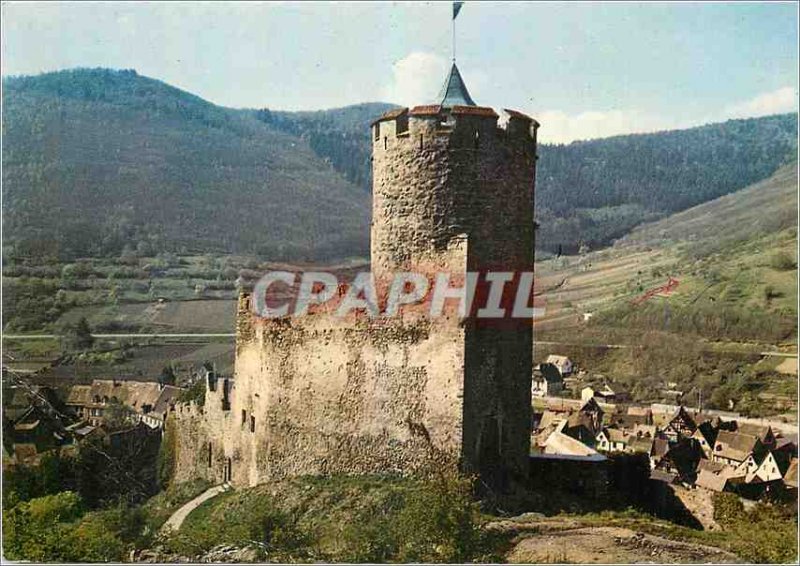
(454, 92)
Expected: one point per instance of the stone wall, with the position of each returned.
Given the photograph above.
(187, 423)
(320, 394)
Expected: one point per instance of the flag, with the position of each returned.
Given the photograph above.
(456, 8)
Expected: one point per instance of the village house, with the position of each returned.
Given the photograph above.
(705, 435)
(764, 433)
(560, 443)
(679, 458)
(603, 441)
(747, 468)
(697, 449)
(148, 401)
(37, 429)
(712, 481)
(770, 469)
(645, 431)
(563, 363)
(640, 444)
(733, 448)
(613, 440)
(790, 479)
(641, 412)
(677, 425)
(547, 381)
(603, 395)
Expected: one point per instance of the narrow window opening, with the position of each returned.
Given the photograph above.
(401, 124)
(209, 454)
(252, 423)
(421, 141)
(385, 142)
(477, 140)
(244, 416)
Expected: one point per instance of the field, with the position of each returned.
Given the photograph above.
(202, 316)
(734, 295)
(735, 251)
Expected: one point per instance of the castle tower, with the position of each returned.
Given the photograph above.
(449, 170)
(325, 394)
(453, 191)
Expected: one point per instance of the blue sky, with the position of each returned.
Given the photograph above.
(583, 69)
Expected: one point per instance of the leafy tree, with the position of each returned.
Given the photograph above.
(78, 336)
(767, 533)
(118, 416)
(35, 530)
(165, 465)
(54, 528)
(167, 375)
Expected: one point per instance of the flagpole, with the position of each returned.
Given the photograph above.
(454, 39)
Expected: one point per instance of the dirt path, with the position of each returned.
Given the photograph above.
(604, 545)
(178, 517)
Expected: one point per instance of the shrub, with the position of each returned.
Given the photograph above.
(195, 392)
(36, 530)
(438, 522)
(782, 261)
(728, 509)
(77, 337)
(764, 534)
(227, 521)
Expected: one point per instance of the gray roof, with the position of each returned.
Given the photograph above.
(710, 480)
(596, 457)
(454, 92)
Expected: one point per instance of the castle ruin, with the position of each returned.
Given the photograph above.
(453, 191)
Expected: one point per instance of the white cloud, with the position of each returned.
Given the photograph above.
(775, 102)
(416, 79)
(560, 127)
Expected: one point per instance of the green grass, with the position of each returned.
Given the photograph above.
(159, 507)
(345, 519)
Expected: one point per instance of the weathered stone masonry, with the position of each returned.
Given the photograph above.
(452, 191)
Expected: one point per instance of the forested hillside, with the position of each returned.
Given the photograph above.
(340, 136)
(97, 162)
(595, 191)
(598, 190)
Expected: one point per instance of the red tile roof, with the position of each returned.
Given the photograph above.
(516, 114)
(427, 110)
(390, 115)
(474, 111)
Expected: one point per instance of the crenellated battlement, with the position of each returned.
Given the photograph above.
(441, 172)
(466, 127)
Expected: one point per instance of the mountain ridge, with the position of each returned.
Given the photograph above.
(97, 161)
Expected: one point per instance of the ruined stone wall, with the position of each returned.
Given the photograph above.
(332, 395)
(187, 422)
